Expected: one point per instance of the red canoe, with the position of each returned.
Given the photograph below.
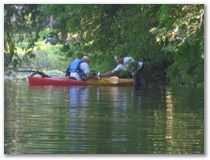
(111, 81)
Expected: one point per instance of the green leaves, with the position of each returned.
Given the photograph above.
(180, 32)
(170, 37)
(178, 22)
(21, 22)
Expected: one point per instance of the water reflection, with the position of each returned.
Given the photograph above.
(78, 101)
(78, 96)
(99, 123)
(103, 120)
(169, 120)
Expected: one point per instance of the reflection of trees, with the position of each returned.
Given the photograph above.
(188, 125)
(169, 121)
(103, 120)
(184, 125)
(35, 124)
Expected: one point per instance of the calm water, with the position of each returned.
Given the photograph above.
(62, 120)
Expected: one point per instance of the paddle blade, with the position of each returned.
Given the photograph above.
(113, 80)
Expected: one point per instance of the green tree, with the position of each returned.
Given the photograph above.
(168, 37)
(180, 32)
(21, 22)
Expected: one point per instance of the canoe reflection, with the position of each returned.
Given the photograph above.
(103, 96)
(78, 96)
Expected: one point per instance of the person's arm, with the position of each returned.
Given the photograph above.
(91, 76)
(107, 74)
(111, 73)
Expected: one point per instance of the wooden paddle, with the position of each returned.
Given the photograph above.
(113, 79)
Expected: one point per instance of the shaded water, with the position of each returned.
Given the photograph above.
(61, 120)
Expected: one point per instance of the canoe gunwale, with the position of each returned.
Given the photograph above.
(39, 81)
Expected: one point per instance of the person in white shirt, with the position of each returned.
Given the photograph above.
(126, 65)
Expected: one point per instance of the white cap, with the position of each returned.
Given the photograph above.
(86, 58)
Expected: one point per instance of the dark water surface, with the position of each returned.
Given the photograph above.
(62, 120)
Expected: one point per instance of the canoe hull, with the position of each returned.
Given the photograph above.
(38, 81)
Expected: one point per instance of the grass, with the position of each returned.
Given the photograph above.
(48, 58)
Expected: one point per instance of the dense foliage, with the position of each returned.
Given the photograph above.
(21, 23)
(180, 32)
(169, 38)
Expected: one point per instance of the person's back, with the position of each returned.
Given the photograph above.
(127, 60)
(74, 64)
(72, 69)
(79, 69)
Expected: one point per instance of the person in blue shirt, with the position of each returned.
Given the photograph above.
(79, 69)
